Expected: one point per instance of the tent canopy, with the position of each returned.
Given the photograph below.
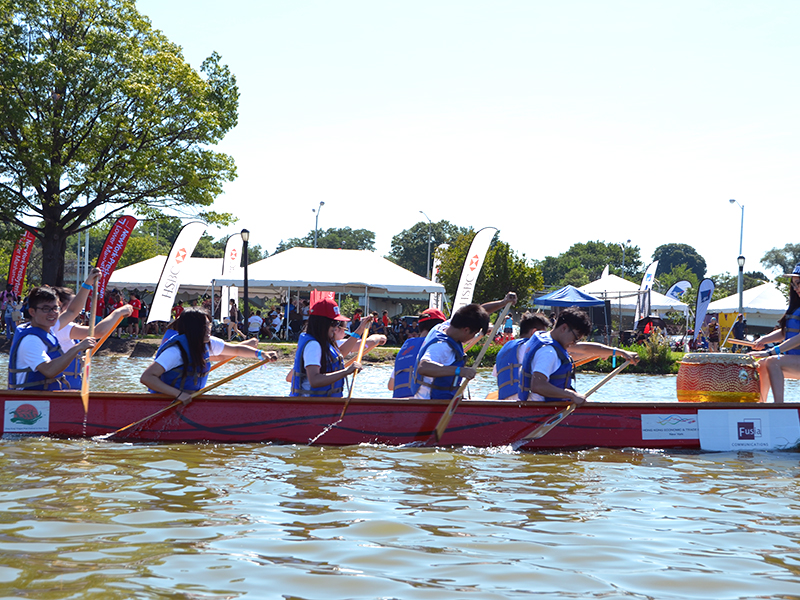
(625, 293)
(346, 271)
(568, 296)
(763, 300)
(196, 274)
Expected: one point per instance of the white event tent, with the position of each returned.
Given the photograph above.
(196, 274)
(763, 305)
(623, 295)
(346, 271)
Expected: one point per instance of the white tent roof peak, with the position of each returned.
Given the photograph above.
(624, 293)
(766, 299)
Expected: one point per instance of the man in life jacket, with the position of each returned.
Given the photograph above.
(35, 361)
(406, 360)
(441, 359)
(546, 370)
(509, 359)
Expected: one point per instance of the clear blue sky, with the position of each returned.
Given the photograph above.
(557, 122)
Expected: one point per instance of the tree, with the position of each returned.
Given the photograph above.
(100, 114)
(410, 246)
(674, 255)
(503, 271)
(782, 260)
(586, 261)
(350, 239)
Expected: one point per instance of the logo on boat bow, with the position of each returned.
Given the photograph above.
(25, 414)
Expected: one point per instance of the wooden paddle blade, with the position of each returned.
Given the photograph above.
(545, 428)
(85, 371)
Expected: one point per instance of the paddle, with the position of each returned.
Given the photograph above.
(194, 395)
(743, 343)
(108, 333)
(219, 363)
(444, 420)
(545, 428)
(87, 357)
(359, 356)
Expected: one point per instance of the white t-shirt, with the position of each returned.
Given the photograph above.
(63, 336)
(171, 357)
(254, 323)
(440, 353)
(30, 354)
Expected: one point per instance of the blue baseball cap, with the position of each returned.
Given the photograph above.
(796, 271)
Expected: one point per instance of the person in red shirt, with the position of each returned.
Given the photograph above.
(177, 309)
(133, 319)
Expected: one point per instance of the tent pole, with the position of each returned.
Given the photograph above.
(286, 314)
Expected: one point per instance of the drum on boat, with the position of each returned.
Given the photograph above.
(718, 377)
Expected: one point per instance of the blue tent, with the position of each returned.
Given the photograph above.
(568, 296)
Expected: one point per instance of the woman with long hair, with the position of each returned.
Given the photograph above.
(319, 363)
(783, 359)
(182, 363)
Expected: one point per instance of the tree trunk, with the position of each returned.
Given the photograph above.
(54, 246)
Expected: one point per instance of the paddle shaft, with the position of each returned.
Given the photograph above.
(87, 357)
(359, 356)
(206, 389)
(444, 420)
(102, 340)
(545, 428)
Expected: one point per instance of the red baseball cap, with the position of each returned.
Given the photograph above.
(327, 308)
(431, 314)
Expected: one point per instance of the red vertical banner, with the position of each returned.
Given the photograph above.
(112, 250)
(316, 296)
(19, 262)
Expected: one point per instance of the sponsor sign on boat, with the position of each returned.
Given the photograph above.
(669, 427)
(726, 430)
(28, 416)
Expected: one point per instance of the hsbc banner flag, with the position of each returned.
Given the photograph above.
(170, 281)
(19, 262)
(113, 247)
(232, 261)
(472, 266)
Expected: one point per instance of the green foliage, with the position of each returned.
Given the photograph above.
(678, 273)
(655, 358)
(410, 246)
(782, 260)
(350, 239)
(670, 256)
(348, 305)
(585, 262)
(503, 271)
(99, 115)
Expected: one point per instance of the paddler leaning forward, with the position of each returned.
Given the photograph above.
(182, 364)
(546, 370)
(440, 366)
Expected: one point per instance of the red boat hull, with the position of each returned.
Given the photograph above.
(282, 420)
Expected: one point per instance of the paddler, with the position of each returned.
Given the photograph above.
(406, 360)
(36, 361)
(509, 359)
(546, 370)
(783, 359)
(181, 365)
(318, 363)
(441, 359)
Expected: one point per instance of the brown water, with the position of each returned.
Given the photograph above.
(85, 519)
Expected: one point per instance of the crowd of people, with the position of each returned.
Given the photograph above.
(537, 365)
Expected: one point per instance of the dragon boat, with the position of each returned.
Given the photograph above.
(479, 423)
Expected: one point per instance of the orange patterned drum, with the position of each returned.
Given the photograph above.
(717, 377)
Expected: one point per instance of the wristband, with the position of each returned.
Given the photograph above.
(777, 349)
(355, 335)
(258, 355)
(458, 371)
(86, 286)
(614, 358)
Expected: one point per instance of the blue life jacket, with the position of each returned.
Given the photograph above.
(404, 365)
(442, 388)
(34, 380)
(508, 369)
(168, 335)
(335, 363)
(184, 377)
(793, 329)
(560, 378)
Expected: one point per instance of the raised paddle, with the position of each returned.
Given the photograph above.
(359, 356)
(444, 420)
(545, 428)
(205, 390)
(87, 356)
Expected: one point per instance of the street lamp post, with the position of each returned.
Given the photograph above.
(621, 245)
(245, 239)
(428, 264)
(740, 258)
(316, 220)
